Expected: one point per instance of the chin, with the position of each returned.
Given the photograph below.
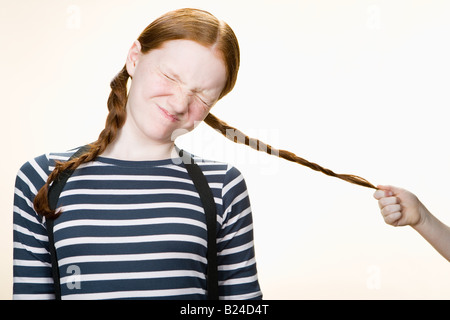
(179, 132)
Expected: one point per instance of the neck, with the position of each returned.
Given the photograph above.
(126, 148)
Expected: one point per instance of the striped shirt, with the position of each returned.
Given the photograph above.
(133, 230)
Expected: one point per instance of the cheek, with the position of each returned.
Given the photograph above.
(150, 86)
(197, 113)
(200, 112)
(157, 88)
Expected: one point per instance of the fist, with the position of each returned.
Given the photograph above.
(399, 207)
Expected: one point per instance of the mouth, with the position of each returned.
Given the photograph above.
(168, 115)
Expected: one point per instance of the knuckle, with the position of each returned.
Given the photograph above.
(390, 209)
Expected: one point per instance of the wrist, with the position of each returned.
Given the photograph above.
(424, 219)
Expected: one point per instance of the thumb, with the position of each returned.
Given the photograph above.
(391, 190)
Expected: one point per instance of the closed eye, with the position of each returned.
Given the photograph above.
(168, 77)
(208, 105)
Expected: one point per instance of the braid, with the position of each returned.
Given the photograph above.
(116, 118)
(238, 136)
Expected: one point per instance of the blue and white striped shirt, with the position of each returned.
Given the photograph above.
(133, 230)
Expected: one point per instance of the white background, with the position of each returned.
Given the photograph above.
(360, 87)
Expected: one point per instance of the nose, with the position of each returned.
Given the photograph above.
(180, 100)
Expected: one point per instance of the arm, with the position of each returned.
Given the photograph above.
(31, 265)
(236, 254)
(400, 207)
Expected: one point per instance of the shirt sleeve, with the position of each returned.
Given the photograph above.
(238, 278)
(32, 273)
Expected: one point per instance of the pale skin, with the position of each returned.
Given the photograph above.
(400, 207)
(173, 88)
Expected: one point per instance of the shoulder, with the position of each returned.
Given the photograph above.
(231, 178)
(34, 173)
(227, 170)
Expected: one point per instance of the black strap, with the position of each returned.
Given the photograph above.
(209, 205)
(53, 196)
(54, 259)
(206, 197)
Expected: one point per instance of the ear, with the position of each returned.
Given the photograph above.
(133, 57)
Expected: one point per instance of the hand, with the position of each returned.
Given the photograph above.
(399, 207)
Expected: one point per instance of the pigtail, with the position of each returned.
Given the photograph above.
(117, 101)
(190, 24)
(238, 136)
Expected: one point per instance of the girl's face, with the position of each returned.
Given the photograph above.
(173, 88)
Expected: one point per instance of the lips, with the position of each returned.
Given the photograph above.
(168, 115)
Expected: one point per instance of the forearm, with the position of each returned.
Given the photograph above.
(435, 232)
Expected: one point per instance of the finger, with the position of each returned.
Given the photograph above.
(393, 218)
(382, 193)
(378, 194)
(386, 201)
(391, 209)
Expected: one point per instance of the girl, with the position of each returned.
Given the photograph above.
(130, 223)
